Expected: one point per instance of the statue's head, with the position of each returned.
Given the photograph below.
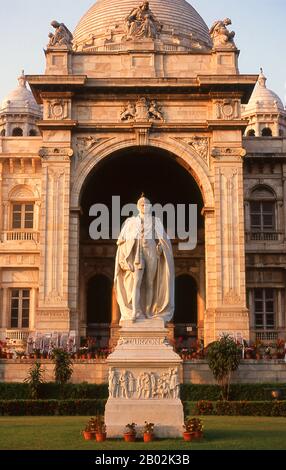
(227, 21)
(145, 6)
(144, 205)
(55, 24)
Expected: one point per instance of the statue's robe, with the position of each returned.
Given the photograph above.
(128, 255)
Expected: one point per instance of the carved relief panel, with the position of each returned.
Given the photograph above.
(227, 109)
(147, 385)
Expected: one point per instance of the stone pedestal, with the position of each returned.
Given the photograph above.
(144, 381)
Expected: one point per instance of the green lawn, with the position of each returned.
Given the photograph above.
(63, 433)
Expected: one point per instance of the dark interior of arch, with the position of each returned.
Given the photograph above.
(186, 301)
(130, 172)
(99, 300)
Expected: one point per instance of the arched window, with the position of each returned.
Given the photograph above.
(251, 133)
(33, 133)
(262, 210)
(17, 132)
(266, 132)
(22, 208)
(3, 133)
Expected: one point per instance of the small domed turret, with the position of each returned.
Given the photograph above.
(19, 112)
(265, 111)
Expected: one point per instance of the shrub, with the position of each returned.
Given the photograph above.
(52, 390)
(197, 392)
(238, 392)
(238, 408)
(63, 366)
(204, 407)
(34, 380)
(223, 358)
(51, 407)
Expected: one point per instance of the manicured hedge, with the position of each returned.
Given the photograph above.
(53, 391)
(236, 408)
(95, 407)
(238, 392)
(189, 392)
(52, 407)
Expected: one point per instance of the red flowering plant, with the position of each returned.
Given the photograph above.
(3, 346)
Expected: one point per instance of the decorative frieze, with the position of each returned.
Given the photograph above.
(144, 385)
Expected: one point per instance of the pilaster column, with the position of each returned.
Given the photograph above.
(284, 197)
(6, 312)
(201, 299)
(53, 312)
(229, 296)
(76, 285)
(1, 197)
(280, 319)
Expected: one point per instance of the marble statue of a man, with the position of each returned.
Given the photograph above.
(144, 270)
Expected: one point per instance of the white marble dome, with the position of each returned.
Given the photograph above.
(263, 99)
(20, 99)
(178, 17)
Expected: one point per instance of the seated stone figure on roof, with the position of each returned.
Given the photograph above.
(141, 23)
(61, 37)
(221, 35)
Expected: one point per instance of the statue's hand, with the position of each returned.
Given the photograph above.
(126, 266)
(159, 250)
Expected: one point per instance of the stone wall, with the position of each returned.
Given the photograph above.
(196, 372)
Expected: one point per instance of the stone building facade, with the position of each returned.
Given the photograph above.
(150, 91)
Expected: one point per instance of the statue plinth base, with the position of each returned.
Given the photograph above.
(144, 381)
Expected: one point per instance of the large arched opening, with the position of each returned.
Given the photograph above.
(127, 173)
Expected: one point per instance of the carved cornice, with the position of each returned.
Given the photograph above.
(230, 152)
(56, 154)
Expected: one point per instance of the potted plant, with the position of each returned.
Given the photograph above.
(196, 426)
(130, 433)
(90, 430)
(188, 433)
(148, 432)
(100, 434)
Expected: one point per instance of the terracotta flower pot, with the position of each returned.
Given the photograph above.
(100, 437)
(88, 436)
(130, 437)
(148, 437)
(198, 435)
(188, 436)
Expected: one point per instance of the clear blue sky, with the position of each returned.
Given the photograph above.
(260, 27)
